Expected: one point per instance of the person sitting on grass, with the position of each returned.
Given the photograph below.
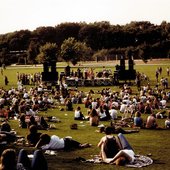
(9, 160)
(34, 136)
(68, 104)
(138, 121)
(78, 115)
(167, 122)
(151, 122)
(148, 109)
(53, 142)
(22, 122)
(123, 157)
(94, 118)
(32, 121)
(114, 148)
(6, 135)
(43, 124)
(102, 114)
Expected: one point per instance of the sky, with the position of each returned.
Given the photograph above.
(18, 15)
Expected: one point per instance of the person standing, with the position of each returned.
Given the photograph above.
(167, 71)
(6, 80)
(157, 75)
(76, 81)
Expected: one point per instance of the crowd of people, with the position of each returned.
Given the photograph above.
(89, 73)
(29, 79)
(131, 107)
(121, 108)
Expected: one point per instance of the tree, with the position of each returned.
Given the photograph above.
(72, 50)
(45, 34)
(47, 53)
(145, 40)
(101, 55)
(66, 30)
(3, 54)
(19, 40)
(32, 52)
(91, 35)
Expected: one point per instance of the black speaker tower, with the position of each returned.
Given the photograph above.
(121, 73)
(49, 73)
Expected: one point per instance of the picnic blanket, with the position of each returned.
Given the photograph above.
(139, 162)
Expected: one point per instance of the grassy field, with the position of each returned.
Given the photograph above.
(154, 142)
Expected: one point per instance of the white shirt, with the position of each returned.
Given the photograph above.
(30, 112)
(116, 104)
(102, 115)
(55, 143)
(127, 101)
(65, 85)
(19, 83)
(2, 101)
(113, 114)
(167, 123)
(163, 102)
(123, 107)
(40, 89)
(94, 105)
(25, 95)
(77, 113)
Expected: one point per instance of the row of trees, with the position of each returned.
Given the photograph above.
(80, 41)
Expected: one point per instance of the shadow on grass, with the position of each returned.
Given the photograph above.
(58, 162)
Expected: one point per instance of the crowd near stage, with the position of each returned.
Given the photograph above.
(90, 82)
(88, 76)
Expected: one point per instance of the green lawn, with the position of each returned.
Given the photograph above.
(155, 142)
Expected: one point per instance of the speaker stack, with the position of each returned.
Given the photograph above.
(49, 73)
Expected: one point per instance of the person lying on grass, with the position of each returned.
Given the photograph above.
(53, 142)
(117, 129)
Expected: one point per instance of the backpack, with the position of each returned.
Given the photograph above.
(111, 148)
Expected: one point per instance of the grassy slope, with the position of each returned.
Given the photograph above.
(144, 142)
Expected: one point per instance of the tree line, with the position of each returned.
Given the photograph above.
(72, 42)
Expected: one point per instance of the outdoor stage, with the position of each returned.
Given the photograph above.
(90, 82)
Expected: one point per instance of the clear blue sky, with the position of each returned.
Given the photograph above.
(30, 14)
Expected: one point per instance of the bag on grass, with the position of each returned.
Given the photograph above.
(73, 126)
